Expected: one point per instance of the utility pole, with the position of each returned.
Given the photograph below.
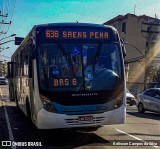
(149, 40)
(5, 22)
(1, 15)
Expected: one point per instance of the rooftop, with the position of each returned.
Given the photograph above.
(120, 17)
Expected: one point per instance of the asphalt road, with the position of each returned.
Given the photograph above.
(139, 129)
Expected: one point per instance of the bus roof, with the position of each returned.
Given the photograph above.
(76, 24)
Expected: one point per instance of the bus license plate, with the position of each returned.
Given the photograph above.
(85, 118)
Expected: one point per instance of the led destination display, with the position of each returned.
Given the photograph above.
(76, 34)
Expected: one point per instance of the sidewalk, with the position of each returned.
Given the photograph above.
(3, 124)
(4, 134)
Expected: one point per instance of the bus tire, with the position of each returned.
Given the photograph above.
(28, 109)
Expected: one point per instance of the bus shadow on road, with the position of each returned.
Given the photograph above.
(67, 138)
(147, 115)
(25, 131)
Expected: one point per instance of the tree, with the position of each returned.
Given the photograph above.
(156, 77)
(151, 72)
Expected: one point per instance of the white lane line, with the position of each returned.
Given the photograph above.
(9, 127)
(134, 137)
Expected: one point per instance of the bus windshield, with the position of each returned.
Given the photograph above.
(79, 67)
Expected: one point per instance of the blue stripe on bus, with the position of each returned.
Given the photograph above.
(83, 109)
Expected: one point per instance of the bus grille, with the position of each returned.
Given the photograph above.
(74, 122)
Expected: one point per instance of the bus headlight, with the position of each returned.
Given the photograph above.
(47, 104)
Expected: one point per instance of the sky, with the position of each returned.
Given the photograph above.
(28, 13)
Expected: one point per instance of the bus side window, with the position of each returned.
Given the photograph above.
(18, 64)
(21, 62)
(25, 64)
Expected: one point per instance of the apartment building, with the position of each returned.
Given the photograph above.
(142, 37)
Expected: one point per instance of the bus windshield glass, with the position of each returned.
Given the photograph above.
(79, 67)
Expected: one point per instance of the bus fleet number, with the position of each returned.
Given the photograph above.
(65, 82)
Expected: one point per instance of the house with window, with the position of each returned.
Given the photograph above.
(141, 35)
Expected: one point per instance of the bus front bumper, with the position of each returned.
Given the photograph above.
(48, 120)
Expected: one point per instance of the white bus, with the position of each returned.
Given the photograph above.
(67, 75)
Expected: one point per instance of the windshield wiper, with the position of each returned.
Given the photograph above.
(68, 57)
(45, 76)
(96, 57)
(44, 72)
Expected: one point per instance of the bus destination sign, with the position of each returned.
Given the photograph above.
(63, 34)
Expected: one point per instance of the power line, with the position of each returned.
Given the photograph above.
(135, 59)
(6, 42)
(2, 13)
(5, 22)
(11, 17)
(134, 47)
(6, 15)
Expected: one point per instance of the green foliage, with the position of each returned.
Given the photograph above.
(156, 77)
(151, 71)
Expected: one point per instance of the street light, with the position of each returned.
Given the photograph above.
(6, 42)
(2, 32)
(4, 49)
(8, 37)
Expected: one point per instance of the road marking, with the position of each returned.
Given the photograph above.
(9, 127)
(134, 137)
